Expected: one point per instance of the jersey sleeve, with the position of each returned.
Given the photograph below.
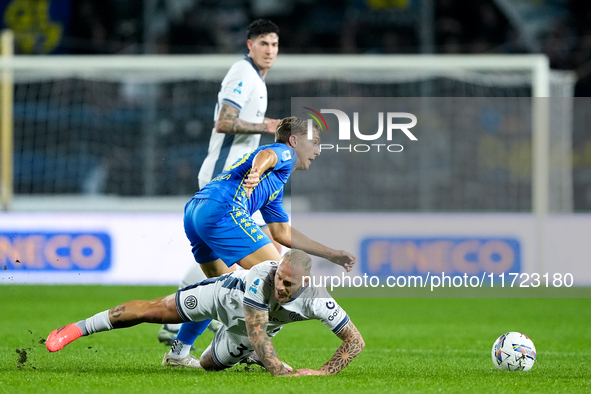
(255, 296)
(330, 314)
(237, 85)
(274, 212)
(286, 160)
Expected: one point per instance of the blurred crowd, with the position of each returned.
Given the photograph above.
(561, 29)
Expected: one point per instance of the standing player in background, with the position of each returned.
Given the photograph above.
(239, 122)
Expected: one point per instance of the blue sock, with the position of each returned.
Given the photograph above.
(191, 330)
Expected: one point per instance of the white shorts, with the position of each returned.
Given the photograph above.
(196, 302)
(227, 348)
(201, 301)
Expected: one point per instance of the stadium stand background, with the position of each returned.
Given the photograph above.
(559, 28)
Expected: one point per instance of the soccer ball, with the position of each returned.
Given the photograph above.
(513, 351)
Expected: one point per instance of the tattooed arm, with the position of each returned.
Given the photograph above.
(229, 123)
(256, 327)
(349, 349)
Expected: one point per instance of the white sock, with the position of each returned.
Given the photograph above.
(173, 327)
(179, 350)
(97, 323)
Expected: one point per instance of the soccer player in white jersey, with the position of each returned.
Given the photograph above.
(239, 122)
(242, 102)
(253, 306)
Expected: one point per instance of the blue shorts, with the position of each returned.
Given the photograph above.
(218, 230)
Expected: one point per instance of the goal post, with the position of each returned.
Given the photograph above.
(6, 120)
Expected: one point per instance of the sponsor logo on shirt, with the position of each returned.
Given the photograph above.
(295, 316)
(334, 314)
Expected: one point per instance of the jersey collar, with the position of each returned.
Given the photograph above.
(304, 288)
(248, 59)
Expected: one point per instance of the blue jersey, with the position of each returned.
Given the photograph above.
(267, 196)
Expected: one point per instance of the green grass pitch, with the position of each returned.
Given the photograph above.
(425, 345)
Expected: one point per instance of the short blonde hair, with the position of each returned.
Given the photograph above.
(296, 258)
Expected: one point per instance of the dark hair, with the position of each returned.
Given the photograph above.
(289, 126)
(260, 27)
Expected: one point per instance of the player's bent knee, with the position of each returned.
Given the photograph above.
(207, 363)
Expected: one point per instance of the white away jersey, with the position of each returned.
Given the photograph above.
(243, 88)
(222, 299)
(311, 303)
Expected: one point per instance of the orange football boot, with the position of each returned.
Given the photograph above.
(63, 336)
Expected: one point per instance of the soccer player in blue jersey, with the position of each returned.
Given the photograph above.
(240, 120)
(221, 230)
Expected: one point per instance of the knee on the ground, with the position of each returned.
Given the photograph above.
(207, 363)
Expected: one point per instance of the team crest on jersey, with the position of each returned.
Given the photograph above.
(286, 155)
(254, 287)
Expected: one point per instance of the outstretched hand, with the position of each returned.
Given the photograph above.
(252, 180)
(344, 259)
